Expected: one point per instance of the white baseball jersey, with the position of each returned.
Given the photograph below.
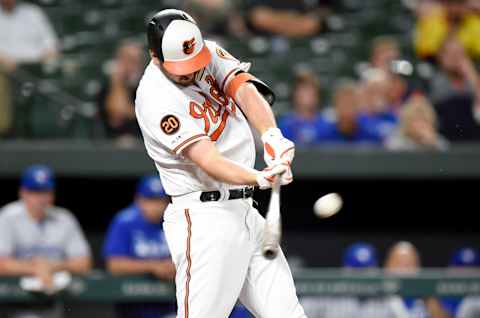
(173, 117)
(211, 276)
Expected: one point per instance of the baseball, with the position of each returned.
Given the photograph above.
(328, 205)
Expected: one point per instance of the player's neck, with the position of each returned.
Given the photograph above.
(37, 215)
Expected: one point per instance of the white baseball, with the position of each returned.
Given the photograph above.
(328, 205)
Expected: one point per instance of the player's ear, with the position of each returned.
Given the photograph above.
(154, 58)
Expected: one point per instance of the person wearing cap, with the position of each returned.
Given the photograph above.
(403, 258)
(196, 106)
(463, 260)
(135, 244)
(359, 257)
(39, 239)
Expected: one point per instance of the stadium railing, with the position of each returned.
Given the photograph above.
(101, 287)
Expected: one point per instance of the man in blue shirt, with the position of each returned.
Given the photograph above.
(135, 244)
(348, 126)
(303, 124)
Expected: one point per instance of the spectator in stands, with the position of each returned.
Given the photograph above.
(303, 125)
(455, 93)
(375, 89)
(384, 51)
(26, 37)
(287, 18)
(436, 20)
(418, 128)
(385, 56)
(26, 33)
(39, 239)
(464, 260)
(217, 16)
(403, 259)
(117, 97)
(135, 244)
(349, 126)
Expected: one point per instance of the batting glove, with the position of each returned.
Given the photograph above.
(276, 148)
(267, 176)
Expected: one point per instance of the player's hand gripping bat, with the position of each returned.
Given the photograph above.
(273, 224)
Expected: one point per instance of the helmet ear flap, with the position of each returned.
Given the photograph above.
(155, 36)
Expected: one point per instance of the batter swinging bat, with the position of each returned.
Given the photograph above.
(273, 226)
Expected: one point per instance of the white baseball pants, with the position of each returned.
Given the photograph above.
(216, 248)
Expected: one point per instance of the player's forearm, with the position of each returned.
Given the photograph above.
(165, 269)
(76, 265)
(205, 155)
(14, 267)
(126, 266)
(227, 171)
(255, 107)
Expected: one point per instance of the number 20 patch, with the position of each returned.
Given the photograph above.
(170, 124)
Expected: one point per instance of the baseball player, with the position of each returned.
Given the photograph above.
(195, 104)
(39, 239)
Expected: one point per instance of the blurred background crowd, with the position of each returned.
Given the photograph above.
(39, 239)
(399, 75)
(394, 74)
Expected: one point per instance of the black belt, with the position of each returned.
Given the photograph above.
(233, 194)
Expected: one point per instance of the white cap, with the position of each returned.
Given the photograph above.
(184, 50)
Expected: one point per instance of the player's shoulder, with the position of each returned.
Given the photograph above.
(218, 52)
(127, 216)
(11, 210)
(29, 9)
(157, 95)
(211, 45)
(152, 82)
(62, 214)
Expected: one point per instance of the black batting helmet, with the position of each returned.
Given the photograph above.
(175, 39)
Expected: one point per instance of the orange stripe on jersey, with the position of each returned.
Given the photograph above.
(189, 260)
(216, 134)
(235, 83)
(188, 141)
(222, 87)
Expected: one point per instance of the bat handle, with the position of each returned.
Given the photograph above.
(270, 246)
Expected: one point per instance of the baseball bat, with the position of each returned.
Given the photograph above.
(273, 224)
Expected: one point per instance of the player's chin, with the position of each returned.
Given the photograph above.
(186, 82)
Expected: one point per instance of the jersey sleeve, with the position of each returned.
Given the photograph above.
(169, 126)
(228, 71)
(117, 242)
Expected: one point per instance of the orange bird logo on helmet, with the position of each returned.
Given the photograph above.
(188, 46)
